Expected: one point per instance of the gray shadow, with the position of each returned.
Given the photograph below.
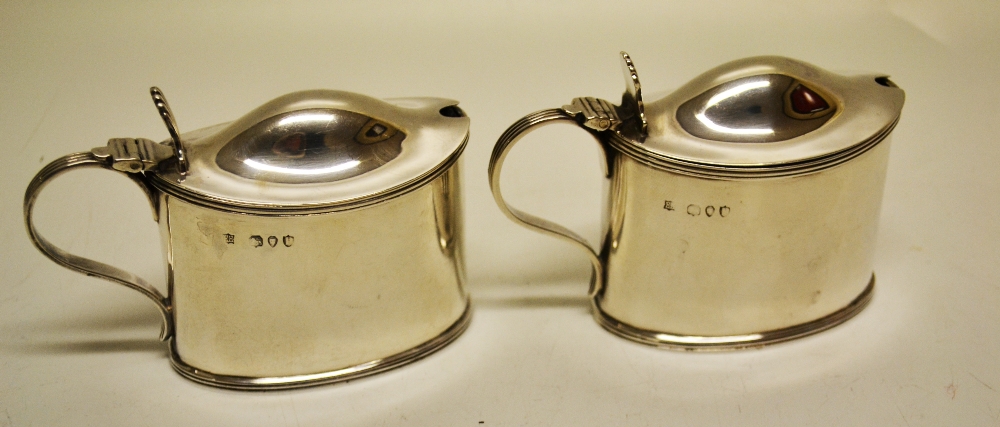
(55, 335)
(541, 301)
(143, 318)
(540, 272)
(88, 347)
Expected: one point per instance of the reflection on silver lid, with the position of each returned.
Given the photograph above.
(318, 151)
(764, 116)
(316, 145)
(762, 108)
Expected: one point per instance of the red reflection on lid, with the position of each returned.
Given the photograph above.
(293, 146)
(805, 101)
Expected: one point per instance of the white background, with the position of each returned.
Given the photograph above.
(78, 351)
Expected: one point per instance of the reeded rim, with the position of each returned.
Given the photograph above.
(733, 342)
(300, 153)
(719, 171)
(308, 380)
(864, 106)
(237, 206)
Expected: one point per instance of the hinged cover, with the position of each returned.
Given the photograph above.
(757, 117)
(315, 151)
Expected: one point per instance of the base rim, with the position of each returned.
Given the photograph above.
(733, 342)
(308, 380)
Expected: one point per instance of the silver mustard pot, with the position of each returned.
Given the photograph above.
(316, 239)
(741, 209)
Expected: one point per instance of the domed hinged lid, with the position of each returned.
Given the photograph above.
(755, 117)
(314, 151)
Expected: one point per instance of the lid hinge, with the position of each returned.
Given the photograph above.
(133, 154)
(594, 113)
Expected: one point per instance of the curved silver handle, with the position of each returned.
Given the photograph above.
(84, 265)
(500, 150)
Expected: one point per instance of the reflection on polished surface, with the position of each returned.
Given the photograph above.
(699, 252)
(319, 145)
(289, 171)
(699, 340)
(726, 96)
(360, 291)
(305, 118)
(763, 108)
(287, 293)
(318, 151)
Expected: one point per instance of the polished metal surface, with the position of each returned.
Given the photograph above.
(266, 296)
(344, 374)
(315, 273)
(594, 113)
(706, 170)
(747, 215)
(735, 342)
(693, 256)
(311, 146)
(763, 108)
(310, 152)
(163, 108)
(861, 108)
(633, 106)
(133, 154)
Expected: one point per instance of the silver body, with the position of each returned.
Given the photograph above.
(333, 297)
(301, 271)
(706, 260)
(742, 209)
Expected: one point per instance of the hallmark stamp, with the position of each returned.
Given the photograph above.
(698, 210)
(258, 241)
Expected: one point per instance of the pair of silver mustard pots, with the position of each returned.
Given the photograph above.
(741, 210)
